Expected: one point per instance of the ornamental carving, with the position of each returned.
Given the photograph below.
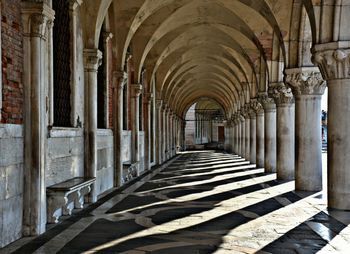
(305, 81)
(333, 60)
(281, 93)
(257, 107)
(267, 102)
(92, 59)
(121, 79)
(39, 24)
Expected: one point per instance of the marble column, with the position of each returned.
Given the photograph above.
(119, 81)
(284, 99)
(242, 139)
(136, 90)
(37, 20)
(308, 86)
(233, 133)
(270, 148)
(147, 102)
(159, 132)
(333, 61)
(247, 132)
(92, 60)
(260, 134)
(236, 148)
(252, 115)
(164, 133)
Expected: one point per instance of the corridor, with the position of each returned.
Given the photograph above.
(200, 202)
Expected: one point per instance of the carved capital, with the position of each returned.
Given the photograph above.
(37, 18)
(149, 97)
(333, 59)
(92, 59)
(257, 107)
(305, 81)
(281, 93)
(136, 90)
(120, 79)
(159, 104)
(73, 4)
(267, 102)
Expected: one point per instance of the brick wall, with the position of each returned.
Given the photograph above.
(12, 62)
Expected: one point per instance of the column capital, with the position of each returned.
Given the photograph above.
(281, 93)
(333, 59)
(149, 97)
(159, 104)
(36, 19)
(305, 81)
(136, 90)
(121, 78)
(92, 59)
(267, 102)
(107, 36)
(257, 107)
(73, 4)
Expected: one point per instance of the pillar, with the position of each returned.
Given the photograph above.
(92, 60)
(136, 90)
(164, 132)
(242, 153)
(270, 148)
(37, 20)
(308, 86)
(247, 132)
(147, 119)
(252, 115)
(260, 134)
(285, 131)
(119, 81)
(333, 61)
(159, 132)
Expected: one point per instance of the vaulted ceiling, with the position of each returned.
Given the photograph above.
(227, 50)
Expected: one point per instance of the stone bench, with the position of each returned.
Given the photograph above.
(63, 197)
(129, 171)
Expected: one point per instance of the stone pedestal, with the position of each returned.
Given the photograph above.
(285, 131)
(308, 86)
(333, 61)
(270, 134)
(119, 81)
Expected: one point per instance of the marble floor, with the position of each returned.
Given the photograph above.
(200, 202)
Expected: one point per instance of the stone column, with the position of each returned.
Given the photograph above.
(252, 115)
(270, 148)
(136, 90)
(164, 143)
(243, 119)
(285, 131)
(147, 119)
(119, 81)
(308, 86)
(159, 133)
(92, 60)
(260, 135)
(247, 132)
(333, 61)
(235, 145)
(37, 20)
(233, 129)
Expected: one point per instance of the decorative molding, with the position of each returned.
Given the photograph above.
(305, 81)
(333, 59)
(281, 93)
(159, 104)
(121, 79)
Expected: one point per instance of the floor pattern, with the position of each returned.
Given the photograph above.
(201, 202)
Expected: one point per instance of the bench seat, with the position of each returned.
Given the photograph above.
(63, 197)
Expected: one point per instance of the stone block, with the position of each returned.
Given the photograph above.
(11, 219)
(14, 181)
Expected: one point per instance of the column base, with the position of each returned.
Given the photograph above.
(338, 200)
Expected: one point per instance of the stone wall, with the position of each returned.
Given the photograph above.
(11, 183)
(126, 149)
(65, 155)
(105, 161)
